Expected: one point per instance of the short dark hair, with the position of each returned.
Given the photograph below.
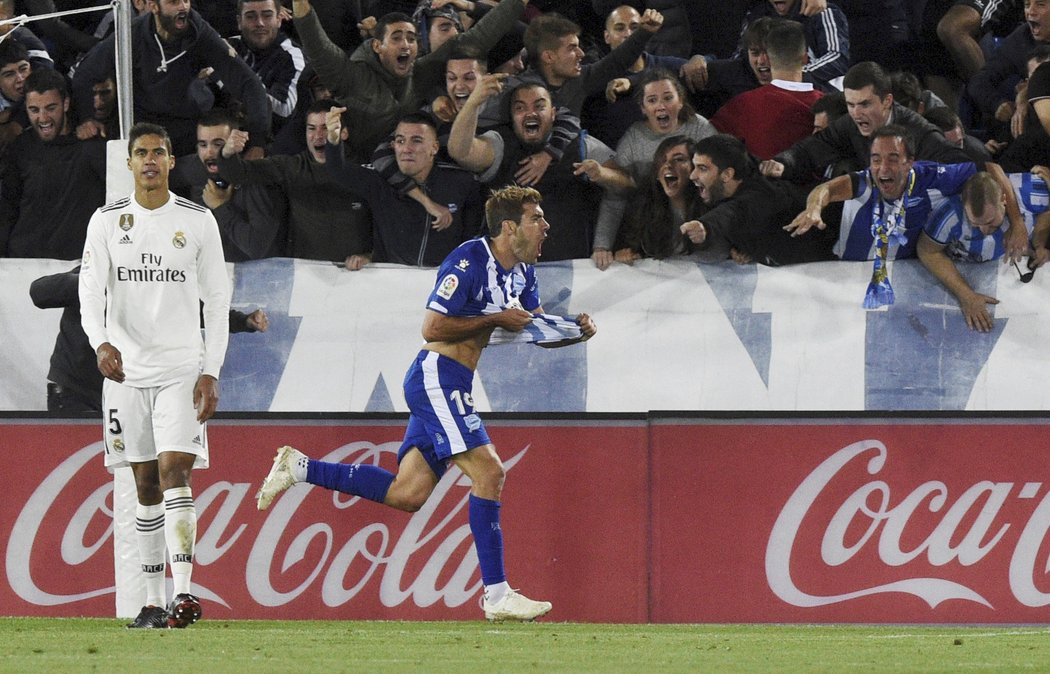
(43, 80)
(897, 131)
(786, 45)
(868, 73)
(659, 75)
(12, 52)
(219, 117)
(833, 105)
(906, 89)
(467, 53)
(147, 129)
(508, 203)
(240, 4)
(418, 118)
(321, 105)
(384, 21)
(545, 32)
(943, 118)
(727, 152)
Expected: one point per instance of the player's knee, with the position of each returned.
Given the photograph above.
(490, 478)
(408, 500)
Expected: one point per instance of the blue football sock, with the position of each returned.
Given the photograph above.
(367, 481)
(488, 538)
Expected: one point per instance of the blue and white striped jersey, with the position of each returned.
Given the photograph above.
(933, 184)
(471, 282)
(948, 225)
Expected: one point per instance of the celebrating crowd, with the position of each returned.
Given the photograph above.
(652, 128)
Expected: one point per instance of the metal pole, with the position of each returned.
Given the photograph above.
(122, 15)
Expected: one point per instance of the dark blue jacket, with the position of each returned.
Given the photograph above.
(401, 230)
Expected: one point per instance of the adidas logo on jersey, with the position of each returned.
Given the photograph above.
(125, 239)
(197, 440)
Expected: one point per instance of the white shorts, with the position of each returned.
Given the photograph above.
(140, 423)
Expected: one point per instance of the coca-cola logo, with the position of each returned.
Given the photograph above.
(961, 529)
(430, 560)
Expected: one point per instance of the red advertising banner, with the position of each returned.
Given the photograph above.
(321, 555)
(850, 522)
(613, 521)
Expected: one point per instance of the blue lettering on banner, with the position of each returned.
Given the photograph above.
(380, 401)
(247, 385)
(921, 355)
(735, 290)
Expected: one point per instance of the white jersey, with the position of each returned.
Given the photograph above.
(142, 278)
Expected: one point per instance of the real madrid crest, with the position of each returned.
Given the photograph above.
(180, 240)
(127, 221)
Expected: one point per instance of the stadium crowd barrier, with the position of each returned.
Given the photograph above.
(672, 336)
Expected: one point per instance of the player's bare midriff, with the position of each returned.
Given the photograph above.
(466, 352)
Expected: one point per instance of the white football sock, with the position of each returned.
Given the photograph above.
(149, 529)
(496, 592)
(180, 532)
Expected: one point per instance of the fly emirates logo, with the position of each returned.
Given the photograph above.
(150, 271)
(927, 541)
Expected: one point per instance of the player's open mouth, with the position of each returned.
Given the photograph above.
(780, 6)
(212, 166)
(670, 181)
(181, 19)
(531, 127)
(403, 60)
(663, 120)
(461, 98)
(1035, 27)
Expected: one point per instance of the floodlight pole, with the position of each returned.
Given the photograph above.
(123, 12)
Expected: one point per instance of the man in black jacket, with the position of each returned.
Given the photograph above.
(747, 211)
(325, 220)
(51, 182)
(252, 219)
(171, 44)
(870, 106)
(403, 231)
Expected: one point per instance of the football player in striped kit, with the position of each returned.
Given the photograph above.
(486, 292)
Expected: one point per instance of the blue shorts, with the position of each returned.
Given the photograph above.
(442, 421)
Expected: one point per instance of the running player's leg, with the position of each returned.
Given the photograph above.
(406, 490)
(485, 470)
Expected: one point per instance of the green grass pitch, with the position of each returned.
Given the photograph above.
(40, 645)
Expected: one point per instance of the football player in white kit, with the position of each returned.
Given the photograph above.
(149, 261)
